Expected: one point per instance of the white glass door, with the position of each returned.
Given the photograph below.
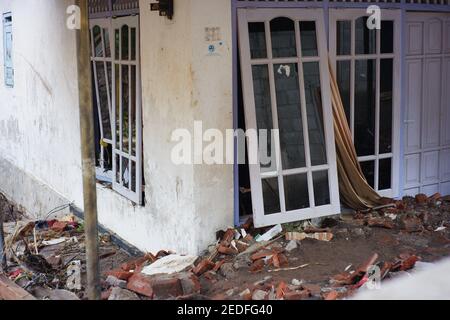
(127, 125)
(367, 69)
(286, 89)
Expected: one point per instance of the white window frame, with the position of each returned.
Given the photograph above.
(386, 14)
(118, 183)
(8, 60)
(101, 172)
(259, 15)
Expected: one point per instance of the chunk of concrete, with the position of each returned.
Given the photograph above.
(122, 294)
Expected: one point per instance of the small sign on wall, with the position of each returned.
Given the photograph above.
(213, 39)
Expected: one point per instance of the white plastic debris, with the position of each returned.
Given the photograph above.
(54, 241)
(297, 282)
(292, 245)
(169, 265)
(269, 235)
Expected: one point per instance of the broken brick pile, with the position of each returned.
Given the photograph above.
(240, 251)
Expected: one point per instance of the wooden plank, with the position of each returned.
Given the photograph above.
(11, 291)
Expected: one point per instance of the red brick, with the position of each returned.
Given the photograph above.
(137, 263)
(120, 274)
(332, 295)
(435, 197)
(203, 266)
(261, 254)
(282, 289)
(141, 284)
(166, 287)
(226, 250)
(218, 265)
(228, 236)
(59, 226)
(189, 283)
(257, 266)
(421, 198)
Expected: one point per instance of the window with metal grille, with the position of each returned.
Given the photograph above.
(7, 49)
(117, 97)
(111, 8)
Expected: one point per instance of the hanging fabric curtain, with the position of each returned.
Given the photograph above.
(354, 190)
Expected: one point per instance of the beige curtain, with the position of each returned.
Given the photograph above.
(355, 192)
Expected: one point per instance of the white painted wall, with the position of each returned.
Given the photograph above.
(39, 127)
(185, 205)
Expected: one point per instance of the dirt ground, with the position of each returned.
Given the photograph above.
(393, 238)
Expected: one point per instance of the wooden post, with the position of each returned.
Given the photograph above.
(88, 153)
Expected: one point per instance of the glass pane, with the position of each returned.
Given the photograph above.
(289, 116)
(386, 103)
(133, 43)
(365, 39)
(109, 72)
(387, 36)
(257, 34)
(133, 110)
(125, 109)
(283, 38)
(133, 176)
(385, 170)
(126, 176)
(124, 43)
(368, 169)
(103, 99)
(308, 38)
(343, 80)
(296, 192)
(314, 112)
(263, 111)
(117, 44)
(321, 188)
(271, 196)
(118, 169)
(107, 44)
(118, 109)
(365, 88)
(98, 45)
(343, 37)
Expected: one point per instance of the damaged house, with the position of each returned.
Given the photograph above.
(231, 64)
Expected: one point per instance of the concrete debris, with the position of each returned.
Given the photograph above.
(170, 264)
(245, 263)
(114, 282)
(269, 235)
(259, 295)
(292, 245)
(122, 295)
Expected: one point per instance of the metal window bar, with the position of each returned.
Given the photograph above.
(112, 8)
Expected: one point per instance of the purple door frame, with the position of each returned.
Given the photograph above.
(326, 5)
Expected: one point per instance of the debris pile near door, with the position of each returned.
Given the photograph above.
(329, 259)
(47, 259)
